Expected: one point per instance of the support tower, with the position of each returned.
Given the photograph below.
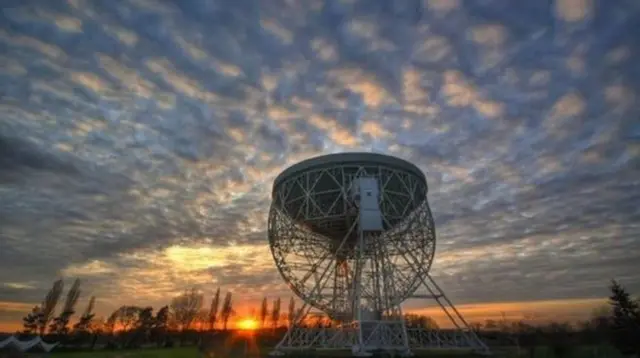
(353, 236)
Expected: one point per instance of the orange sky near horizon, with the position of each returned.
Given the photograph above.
(571, 310)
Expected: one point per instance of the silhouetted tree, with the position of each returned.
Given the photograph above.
(318, 321)
(420, 321)
(186, 306)
(264, 311)
(213, 310)
(110, 323)
(142, 327)
(509, 331)
(596, 330)
(49, 305)
(559, 339)
(83, 328)
(145, 319)
(159, 330)
(126, 317)
(275, 313)
(625, 321)
(30, 321)
(529, 338)
(491, 325)
(201, 322)
(60, 323)
(97, 327)
(84, 323)
(475, 326)
(227, 310)
(291, 314)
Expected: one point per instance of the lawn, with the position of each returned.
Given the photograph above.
(185, 352)
(192, 352)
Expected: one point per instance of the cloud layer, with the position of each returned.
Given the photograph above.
(139, 139)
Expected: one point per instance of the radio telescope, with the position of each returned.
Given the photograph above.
(353, 236)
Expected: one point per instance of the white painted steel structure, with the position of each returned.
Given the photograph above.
(25, 346)
(353, 236)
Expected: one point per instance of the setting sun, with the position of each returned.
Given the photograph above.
(248, 324)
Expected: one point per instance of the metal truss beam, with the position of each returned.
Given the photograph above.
(359, 280)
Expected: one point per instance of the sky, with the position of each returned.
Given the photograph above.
(139, 140)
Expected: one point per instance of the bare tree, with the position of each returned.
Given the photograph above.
(227, 310)
(126, 317)
(213, 311)
(186, 306)
(202, 320)
(291, 315)
(49, 305)
(264, 312)
(275, 313)
(60, 323)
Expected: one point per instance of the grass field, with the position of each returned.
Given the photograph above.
(188, 352)
(191, 352)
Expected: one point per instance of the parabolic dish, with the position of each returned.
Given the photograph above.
(312, 212)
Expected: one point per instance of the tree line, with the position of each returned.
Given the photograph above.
(186, 317)
(182, 319)
(614, 327)
(42, 320)
(128, 325)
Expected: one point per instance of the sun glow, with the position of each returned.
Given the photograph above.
(248, 324)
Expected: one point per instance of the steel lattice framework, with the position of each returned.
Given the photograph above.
(359, 279)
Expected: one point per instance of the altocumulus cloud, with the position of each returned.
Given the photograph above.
(139, 139)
